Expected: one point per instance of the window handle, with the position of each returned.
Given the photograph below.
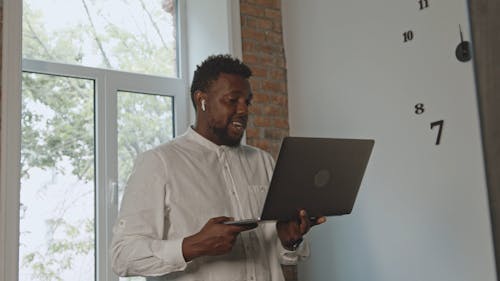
(113, 193)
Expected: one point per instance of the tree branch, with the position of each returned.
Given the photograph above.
(155, 26)
(38, 40)
(96, 37)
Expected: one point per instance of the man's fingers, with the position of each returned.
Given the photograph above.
(320, 220)
(304, 222)
(220, 219)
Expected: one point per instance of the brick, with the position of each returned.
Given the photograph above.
(264, 24)
(249, 21)
(277, 26)
(277, 74)
(252, 10)
(260, 121)
(259, 71)
(281, 123)
(255, 110)
(290, 270)
(266, 60)
(272, 14)
(249, 46)
(272, 110)
(274, 38)
(253, 133)
(279, 61)
(269, 49)
(249, 33)
(255, 84)
(273, 86)
(260, 98)
(274, 4)
(250, 58)
(281, 100)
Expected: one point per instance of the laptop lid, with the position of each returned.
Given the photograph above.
(321, 175)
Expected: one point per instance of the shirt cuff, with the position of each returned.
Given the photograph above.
(288, 257)
(171, 251)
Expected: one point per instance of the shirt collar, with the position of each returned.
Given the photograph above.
(192, 135)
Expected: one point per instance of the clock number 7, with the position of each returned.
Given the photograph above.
(439, 123)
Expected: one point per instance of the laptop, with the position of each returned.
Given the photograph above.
(320, 175)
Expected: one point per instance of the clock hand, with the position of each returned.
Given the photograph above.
(461, 34)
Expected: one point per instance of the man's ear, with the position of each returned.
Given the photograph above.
(200, 100)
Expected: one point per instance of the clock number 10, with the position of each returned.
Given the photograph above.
(407, 36)
(423, 4)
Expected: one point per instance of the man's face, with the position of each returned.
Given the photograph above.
(227, 104)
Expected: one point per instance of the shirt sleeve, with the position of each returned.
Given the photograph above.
(284, 256)
(288, 257)
(138, 246)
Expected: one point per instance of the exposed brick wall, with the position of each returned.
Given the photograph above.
(263, 51)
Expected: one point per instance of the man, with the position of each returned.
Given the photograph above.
(171, 222)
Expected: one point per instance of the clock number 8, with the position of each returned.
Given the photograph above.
(419, 108)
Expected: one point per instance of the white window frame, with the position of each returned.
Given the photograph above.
(10, 139)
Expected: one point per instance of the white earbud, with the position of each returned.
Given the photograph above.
(203, 105)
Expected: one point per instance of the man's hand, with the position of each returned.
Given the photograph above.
(215, 238)
(291, 232)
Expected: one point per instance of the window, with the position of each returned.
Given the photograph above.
(100, 84)
(213, 27)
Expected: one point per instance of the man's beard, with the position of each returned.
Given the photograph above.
(222, 134)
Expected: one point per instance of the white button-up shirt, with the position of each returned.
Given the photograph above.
(172, 192)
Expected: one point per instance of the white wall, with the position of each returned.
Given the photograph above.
(422, 211)
(213, 27)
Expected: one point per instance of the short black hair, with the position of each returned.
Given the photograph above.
(210, 69)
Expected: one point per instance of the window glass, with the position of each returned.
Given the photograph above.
(57, 179)
(134, 36)
(144, 121)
